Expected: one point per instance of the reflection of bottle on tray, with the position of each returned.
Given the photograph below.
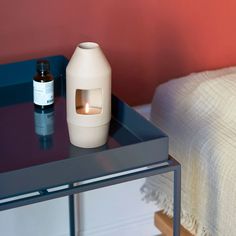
(43, 85)
(44, 127)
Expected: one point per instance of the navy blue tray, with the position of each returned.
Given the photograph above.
(29, 165)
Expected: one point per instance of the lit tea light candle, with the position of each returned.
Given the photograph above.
(88, 110)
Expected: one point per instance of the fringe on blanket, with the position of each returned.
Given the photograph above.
(188, 221)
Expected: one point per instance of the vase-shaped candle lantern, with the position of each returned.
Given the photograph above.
(88, 92)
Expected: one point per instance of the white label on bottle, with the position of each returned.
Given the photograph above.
(43, 93)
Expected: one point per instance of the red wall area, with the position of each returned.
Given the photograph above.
(147, 42)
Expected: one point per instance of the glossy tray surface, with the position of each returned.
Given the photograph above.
(35, 150)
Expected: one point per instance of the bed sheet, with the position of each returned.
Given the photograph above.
(198, 113)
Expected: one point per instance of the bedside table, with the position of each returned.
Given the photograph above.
(38, 163)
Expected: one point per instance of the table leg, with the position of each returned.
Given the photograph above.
(72, 215)
(177, 200)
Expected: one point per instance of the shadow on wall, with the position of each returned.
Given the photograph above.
(171, 59)
(145, 49)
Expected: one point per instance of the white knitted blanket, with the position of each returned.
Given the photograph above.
(198, 113)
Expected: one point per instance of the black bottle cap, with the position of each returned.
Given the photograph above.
(42, 66)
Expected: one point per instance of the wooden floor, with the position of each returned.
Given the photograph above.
(164, 224)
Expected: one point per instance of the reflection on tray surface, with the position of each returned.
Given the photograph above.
(42, 136)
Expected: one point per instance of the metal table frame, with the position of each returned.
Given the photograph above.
(171, 166)
(72, 188)
(138, 166)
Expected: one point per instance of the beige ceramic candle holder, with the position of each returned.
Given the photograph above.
(88, 92)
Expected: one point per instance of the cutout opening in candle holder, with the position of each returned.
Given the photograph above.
(88, 102)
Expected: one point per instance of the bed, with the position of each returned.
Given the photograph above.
(198, 113)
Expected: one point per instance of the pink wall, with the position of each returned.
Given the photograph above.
(146, 41)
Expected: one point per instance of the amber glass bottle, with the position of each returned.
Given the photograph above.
(43, 85)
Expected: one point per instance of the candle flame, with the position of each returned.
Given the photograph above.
(86, 107)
